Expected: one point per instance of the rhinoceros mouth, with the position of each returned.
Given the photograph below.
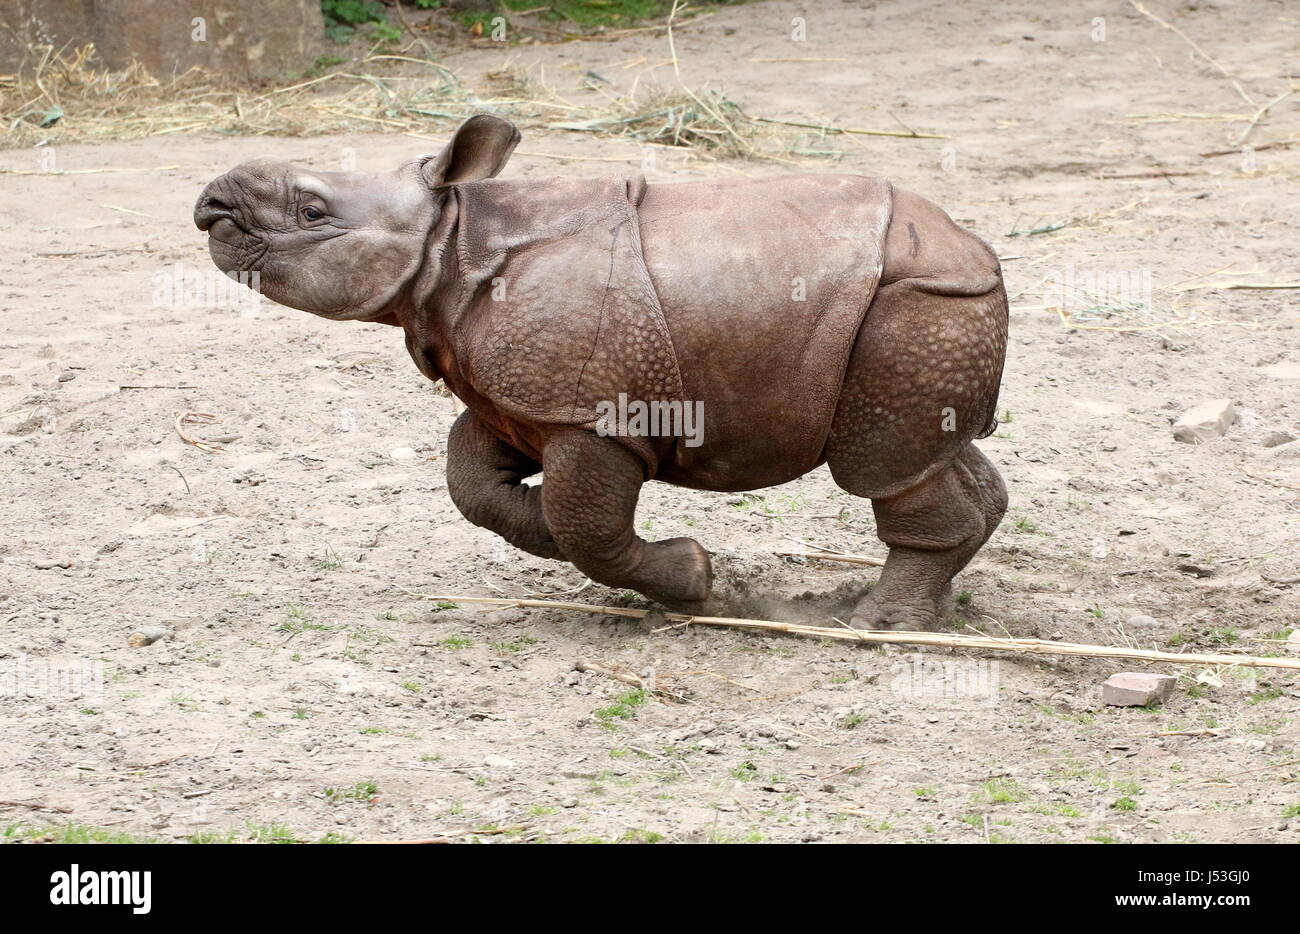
(233, 250)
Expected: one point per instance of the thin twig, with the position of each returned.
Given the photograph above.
(911, 134)
(935, 639)
(1259, 115)
(1199, 51)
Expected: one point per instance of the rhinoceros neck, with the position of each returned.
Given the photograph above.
(423, 313)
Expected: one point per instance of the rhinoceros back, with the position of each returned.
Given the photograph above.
(744, 297)
(764, 284)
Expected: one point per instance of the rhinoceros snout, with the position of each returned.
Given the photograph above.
(210, 208)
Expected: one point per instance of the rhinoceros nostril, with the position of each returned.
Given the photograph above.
(209, 210)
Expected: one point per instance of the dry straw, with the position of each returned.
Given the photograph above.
(63, 95)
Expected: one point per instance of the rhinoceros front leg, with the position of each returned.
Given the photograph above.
(484, 479)
(589, 499)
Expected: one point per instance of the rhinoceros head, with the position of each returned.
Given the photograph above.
(342, 245)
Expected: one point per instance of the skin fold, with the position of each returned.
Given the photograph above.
(827, 319)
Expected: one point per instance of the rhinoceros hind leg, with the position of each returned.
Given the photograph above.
(921, 383)
(932, 531)
(589, 499)
(484, 477)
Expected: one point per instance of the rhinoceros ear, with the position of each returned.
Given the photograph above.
(479, 149)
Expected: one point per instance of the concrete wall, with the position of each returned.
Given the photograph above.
(246, 39)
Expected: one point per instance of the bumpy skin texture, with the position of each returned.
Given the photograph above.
(819, 319)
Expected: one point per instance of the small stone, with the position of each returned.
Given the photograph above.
(1205, 421)
(569, 803)
(1141, 622)
(498, 762)
(1276, 438)
(1197, 570)
(403, 455)
(1294, 638)
(572, 678)
(49, 564)
(147, 635)
(1283, 451)
(1136, 689)
(67, 376)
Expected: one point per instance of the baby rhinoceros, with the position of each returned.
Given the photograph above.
(718, 335)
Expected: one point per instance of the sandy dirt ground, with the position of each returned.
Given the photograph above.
(302, 694)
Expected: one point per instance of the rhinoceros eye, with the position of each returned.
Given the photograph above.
(310, 213)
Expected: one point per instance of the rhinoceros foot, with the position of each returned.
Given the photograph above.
(872, 613)
(681, 572)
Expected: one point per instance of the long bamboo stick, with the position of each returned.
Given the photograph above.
(935, 639)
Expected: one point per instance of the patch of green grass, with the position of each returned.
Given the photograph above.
(1001, 791)
(624, 708)
(850, 721)
(1291, 810)
(745, 772)
(1268, 694)
(586, 14)
(640, 835)
(413, 687)
(297, 619)
(361, 791)
(330, 561)
(270, 833)
(184, 702)
(1124, 804)
(1059, 808)
(511, 646)
(456, 642)
(205, 837)
(1224, 636)
(72, 833)
(344, 17)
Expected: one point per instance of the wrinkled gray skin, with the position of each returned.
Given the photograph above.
(915, 381)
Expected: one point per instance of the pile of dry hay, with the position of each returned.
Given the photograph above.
(61, 96)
